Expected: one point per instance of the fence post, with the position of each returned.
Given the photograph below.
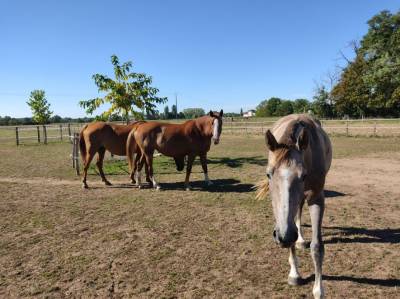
(38, 134)
(69, 132)
(73, 152)
(16, 135)
(61, 133)
(76, 137)
(375, 129)
(347, 128)
(45, 134)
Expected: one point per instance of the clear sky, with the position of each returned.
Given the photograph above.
(214, 54)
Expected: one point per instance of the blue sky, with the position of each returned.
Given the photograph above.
(214, 54)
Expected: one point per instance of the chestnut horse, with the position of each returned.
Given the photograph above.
(300, 155)
(191, 139)
(100, 136)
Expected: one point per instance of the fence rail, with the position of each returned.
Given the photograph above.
(65, 132)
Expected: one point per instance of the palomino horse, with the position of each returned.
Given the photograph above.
(191, 139)
(98, 137)
(300, 155)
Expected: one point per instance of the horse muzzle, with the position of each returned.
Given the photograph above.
(286, 240)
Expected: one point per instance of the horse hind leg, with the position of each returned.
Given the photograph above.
(100, 158)
(149, 165)
(89, 158)
(317, 245)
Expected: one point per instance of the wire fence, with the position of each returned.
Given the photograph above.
(65, 132)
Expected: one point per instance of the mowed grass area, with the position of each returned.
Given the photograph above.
(59, 240)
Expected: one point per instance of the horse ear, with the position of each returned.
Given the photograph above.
(221, 113)
(211, 113)
(270, 141)
(302, 141)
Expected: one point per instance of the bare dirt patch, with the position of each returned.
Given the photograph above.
(58, 240)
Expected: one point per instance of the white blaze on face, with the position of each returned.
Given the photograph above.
(216, 130)
(284, 200)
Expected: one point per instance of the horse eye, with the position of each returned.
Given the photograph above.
(269, 175)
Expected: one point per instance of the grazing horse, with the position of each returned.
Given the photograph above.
(100, 136)
(191, 139)
(300, 155)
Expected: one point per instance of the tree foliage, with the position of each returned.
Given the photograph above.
(193, 112)
(126, 93)
(39, 106)
(370, 84)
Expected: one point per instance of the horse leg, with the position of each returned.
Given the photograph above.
(134, 168)
(190, 161)
(138, 171)
(203, 160)
(149, 166)
(317, 246)
(100, 158)
(89, 157)
(294, 278)
(300, 243)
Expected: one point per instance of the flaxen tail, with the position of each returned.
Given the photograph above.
(82, 145)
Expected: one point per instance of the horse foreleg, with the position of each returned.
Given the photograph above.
(317, 246)
(190, 161)
(203, 160)
(300, 243)
(100, 158)
(294, 276)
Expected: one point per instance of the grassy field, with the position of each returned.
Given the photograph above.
(58, 240)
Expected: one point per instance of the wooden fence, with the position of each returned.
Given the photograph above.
(65, 132)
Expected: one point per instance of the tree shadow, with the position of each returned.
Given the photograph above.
(390, 282)
(219, 185)
(238, 162)
(363, 235)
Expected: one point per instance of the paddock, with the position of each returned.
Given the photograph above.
(58, 240)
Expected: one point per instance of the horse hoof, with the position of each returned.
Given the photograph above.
(107, 183)
(295, 281)
(302, 245)
(158, 188)
(140, 186)
(85, 186)
(188, 188)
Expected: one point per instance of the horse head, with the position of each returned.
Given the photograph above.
(216, 125)
(286, 174)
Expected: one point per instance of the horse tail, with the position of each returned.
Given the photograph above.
(82, 144)
(131, 148)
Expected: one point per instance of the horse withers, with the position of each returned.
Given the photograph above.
(191, 138)
(100, 136)
(300, 155)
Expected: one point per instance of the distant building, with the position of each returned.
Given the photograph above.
(249, 113)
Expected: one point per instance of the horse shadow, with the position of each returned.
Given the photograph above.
(332, 193)
(238, 162)
(219, 185)
(390, 282)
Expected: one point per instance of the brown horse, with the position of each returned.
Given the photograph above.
(300, 155)
(191, 139)
(100, 136)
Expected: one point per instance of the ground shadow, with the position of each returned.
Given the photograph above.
(220, 185)
(332, 193)
(238, 162)
(390, 282)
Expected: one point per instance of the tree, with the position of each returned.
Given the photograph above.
(129, 91)
(285, 107)
(321, 106)
(174, 112)
(39, 106)
(166, 112)
(241, 111)
(268, 107)
(193, 112)
(301, 106)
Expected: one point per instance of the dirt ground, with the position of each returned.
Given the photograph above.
(58, 240)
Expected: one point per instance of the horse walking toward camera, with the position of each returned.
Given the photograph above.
(300, 155)
(100, 136)
(191, 139)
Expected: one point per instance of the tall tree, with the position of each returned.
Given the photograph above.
(174, 112)
(166, 112)
(39, 106)
(127, 92)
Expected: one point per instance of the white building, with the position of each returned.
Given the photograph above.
(249, 113)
